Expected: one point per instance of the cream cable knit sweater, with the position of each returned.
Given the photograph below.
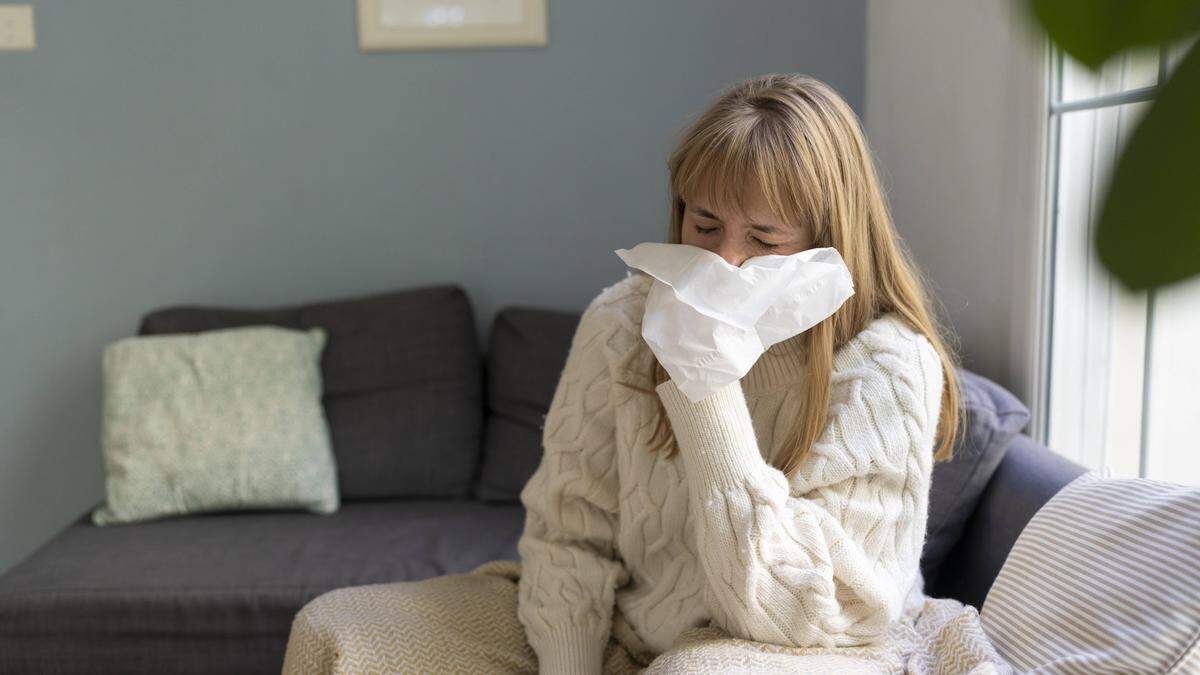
(619, 539)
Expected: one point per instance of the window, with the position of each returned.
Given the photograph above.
(1120, 369)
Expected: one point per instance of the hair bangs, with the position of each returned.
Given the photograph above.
(734, 160)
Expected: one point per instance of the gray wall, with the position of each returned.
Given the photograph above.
(956, 112)
(246, 153)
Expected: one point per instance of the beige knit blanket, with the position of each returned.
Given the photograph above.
(468, 623)
(946, 638)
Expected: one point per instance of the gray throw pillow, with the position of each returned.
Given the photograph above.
(214, 421)
(994, 416)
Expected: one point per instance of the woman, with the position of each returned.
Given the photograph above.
(776, 523)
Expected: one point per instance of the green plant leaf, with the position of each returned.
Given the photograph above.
(1092, 31)
(1148, 233)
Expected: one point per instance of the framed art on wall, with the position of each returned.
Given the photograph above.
(386, 25)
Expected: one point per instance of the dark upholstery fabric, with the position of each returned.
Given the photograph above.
(1026, 479)
(527, 350)
(216, 593)
(994, 418)
(403, 384)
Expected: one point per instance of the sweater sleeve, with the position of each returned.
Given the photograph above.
(569, 567)
(829, 558)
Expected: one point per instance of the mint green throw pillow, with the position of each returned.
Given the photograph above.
(215, 421)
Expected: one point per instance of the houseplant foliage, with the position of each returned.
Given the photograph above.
(1148, 232)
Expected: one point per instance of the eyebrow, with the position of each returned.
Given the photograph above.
(762, 228)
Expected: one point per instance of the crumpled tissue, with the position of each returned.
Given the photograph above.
(708, 321)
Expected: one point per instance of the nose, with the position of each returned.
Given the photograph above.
(731, 254)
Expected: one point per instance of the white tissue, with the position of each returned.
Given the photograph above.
(708, 322)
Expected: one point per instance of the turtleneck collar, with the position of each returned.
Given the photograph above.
(781, 365)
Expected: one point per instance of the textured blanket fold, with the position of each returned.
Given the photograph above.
(945, 638)
(467, 623)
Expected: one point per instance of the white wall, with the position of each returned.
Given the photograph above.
(955, 109)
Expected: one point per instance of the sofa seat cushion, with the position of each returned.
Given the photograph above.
(217, 592)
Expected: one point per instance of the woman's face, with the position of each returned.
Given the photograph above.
(737, 237)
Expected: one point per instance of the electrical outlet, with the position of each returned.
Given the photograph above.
(16, 28)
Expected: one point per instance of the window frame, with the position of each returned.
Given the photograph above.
(1050, 232)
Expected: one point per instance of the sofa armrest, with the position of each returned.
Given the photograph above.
(1029, 475)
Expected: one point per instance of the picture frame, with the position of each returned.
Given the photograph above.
(391, 25)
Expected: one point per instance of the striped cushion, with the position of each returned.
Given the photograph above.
(1104, 578)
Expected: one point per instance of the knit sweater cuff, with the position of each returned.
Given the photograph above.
(715, 434)
(570, 651)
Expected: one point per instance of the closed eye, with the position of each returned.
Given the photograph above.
(760, 242)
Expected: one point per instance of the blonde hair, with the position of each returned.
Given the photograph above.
(794, 138)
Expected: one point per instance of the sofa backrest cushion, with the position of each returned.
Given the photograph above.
(403, 390)
(527, 350)
(994, 417)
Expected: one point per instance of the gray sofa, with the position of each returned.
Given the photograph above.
(434, 437)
